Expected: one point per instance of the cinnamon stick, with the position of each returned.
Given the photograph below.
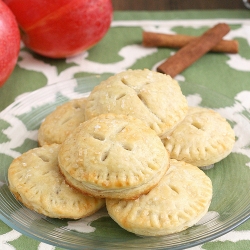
(194, 50)
(152, 39)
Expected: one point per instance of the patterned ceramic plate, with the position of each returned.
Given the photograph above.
(231, 177)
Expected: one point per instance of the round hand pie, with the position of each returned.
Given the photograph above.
(61, 122)
(202, 138)
(154, 98)
(180, 200)
(114, 156)
(35, 180)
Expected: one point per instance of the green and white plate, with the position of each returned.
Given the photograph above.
(231, 177)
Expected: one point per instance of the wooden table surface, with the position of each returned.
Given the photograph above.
(177, 4)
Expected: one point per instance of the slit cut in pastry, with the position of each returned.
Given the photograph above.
(114, 156)
(180, 200)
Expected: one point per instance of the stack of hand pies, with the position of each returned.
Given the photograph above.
(133, 145)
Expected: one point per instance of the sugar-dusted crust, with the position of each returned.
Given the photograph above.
(204, 137)
(61, 122)
(115, 156)
(153, 97)
(181, 199)
(35, 180)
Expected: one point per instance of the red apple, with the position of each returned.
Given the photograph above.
(61, 28)
(9, 42)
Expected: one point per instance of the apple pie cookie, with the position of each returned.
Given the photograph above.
(61, 122)
(203, 138)
(180, 200)
(153, 97)
(113, 156)
(35, 180)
